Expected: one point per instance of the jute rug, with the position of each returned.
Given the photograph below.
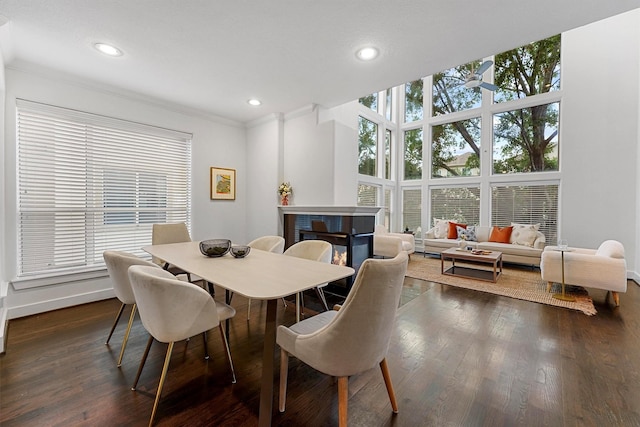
(514, 282)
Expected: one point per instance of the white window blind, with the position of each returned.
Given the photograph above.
(88, 183)
(526, 204)
(460, 204)
(412, 210)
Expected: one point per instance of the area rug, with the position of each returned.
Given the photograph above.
(515, 282)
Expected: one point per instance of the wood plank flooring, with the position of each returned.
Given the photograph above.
(457, 358)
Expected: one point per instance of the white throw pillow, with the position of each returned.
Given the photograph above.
(441, 228)
(524, 234)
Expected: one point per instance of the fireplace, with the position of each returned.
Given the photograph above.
(349, 230)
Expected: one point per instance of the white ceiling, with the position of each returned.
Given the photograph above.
(213, 55)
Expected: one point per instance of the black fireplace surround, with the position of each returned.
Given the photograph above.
(347, 233)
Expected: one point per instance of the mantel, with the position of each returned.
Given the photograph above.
(330, 210)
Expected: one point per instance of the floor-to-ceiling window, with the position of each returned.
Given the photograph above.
(377, 165)
(478, 143)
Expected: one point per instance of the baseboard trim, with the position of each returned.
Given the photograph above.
(58, 303)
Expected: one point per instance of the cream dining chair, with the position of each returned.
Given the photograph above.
(172, 310)
(273, 244)
(118, 264)
(355, 338)
(173, 233)
(316, 250)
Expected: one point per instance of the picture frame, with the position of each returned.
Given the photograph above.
(222, 183)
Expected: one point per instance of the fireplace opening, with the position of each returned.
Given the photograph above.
(352, 242)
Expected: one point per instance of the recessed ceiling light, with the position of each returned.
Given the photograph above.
(107, 49)
(254, 102)
(367, 53)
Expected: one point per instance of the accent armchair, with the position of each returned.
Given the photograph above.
(388, 245)
(355, 338)
(602, 268)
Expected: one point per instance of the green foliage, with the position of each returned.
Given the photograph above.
(414, 101)
(413, 154)
(367, 143)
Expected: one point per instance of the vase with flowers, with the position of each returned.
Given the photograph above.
(285, 190)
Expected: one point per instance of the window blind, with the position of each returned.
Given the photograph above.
(412, 209)
(526, 204)
(460, 204)
(88, 183)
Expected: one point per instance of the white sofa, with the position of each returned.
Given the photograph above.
(389, 245)
(604, 268)
(511, 252)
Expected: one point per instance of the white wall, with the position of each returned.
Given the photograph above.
(214, 144)
(599, 134)
(264, 174)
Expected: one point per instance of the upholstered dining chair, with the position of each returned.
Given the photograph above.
(173, 233)
(273, 244)
(353, 339)
(316, 250)
(118, 264)
(172, 310)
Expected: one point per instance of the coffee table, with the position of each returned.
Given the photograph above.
(491, 258)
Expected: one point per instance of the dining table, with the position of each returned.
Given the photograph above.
(259, 275)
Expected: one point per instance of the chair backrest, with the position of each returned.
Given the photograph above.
(358, 337)
(170, 309)
(118, 264)
(273, 244)
(169, 233)
(380, 229)
(316, 250)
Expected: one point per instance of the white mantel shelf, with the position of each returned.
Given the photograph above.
(330, 210)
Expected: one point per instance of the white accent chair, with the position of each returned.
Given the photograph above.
(353, 339)
(388, 245)
(172, 310)
(602, 268)
(316, 250)
(273, 244)
(118, 264)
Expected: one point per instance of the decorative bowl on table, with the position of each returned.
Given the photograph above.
(215, 247)
(240, 251)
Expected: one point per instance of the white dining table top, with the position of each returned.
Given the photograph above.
(259, 275)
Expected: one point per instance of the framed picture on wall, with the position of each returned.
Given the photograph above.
(223, 184)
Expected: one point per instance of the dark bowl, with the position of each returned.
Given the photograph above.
(215, 247)
(240, 251)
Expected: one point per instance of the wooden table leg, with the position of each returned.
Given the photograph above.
(268, 361)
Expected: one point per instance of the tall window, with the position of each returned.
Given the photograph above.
(526, 140)
(456, 149)
(89, 183)
(368, 147)
(461, 204)
(412, 210)
(413, 108)
(516, 95)
(413, 154)
(526, 204)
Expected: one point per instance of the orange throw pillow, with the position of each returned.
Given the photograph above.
(500, 234)
(453, 231)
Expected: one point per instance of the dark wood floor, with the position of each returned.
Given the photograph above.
(457, 358)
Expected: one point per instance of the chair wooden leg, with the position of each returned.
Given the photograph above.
(163, 376)
(142, 362)
(389, 384)
(616, 298)
(549, 284)
(113, 328)
(284, 373)
(343, 400)
(228, 353)
(126, 334)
